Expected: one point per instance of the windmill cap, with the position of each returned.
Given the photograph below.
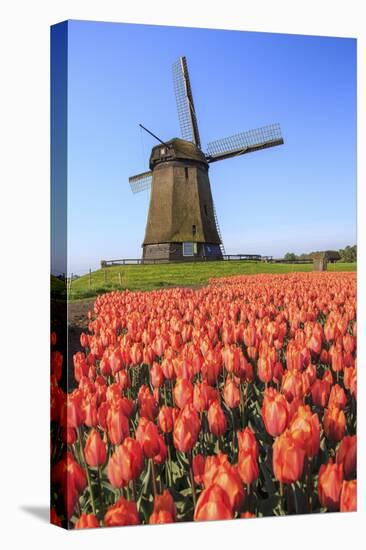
(176, 149)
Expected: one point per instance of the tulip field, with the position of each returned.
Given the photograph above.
(233, 400)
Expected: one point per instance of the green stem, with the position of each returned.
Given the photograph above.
(192, 482)
(153, 477)
(101, 500)
(86, 469)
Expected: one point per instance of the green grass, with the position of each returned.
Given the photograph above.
(58, 288)
(149, 277)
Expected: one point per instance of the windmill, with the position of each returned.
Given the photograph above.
(182, 223)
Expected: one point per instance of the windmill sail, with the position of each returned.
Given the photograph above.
(140, 182)
(183, 94)
(246, 142)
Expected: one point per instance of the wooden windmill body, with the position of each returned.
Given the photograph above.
(182, 222)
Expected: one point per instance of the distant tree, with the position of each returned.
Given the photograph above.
(290, 256)
(348, 254)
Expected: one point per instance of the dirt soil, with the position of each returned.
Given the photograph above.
(77, 323)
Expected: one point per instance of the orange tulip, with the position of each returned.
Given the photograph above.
(231, 394)
(247, 442)
(334, 423)
(347, 455)
(183, 392)
(330, 480)
(288, 458)
(148, 436)
(95, 450)
(216, 419)
(86, 521)
(165, 503)
(227, 477)
(123, 512)
(117, 423)
(72, 479)
(166, 419)
(305, 430)
(292, 385)
(320, 391)
(161, 517)
(198, 466)
(213, 504)
(337, 397)
(186, 429)
(274, 412)
(348, 501)
(248, 467)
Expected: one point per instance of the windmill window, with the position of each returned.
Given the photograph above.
(162, 151)
(187, 249)
(193, 229)
(205, 209)
(186, 172)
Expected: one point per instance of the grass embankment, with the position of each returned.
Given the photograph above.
(150, 277)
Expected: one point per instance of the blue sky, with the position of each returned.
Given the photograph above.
(298, 197)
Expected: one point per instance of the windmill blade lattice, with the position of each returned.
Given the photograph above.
(185, 105)
(245, 142)
(140, 182)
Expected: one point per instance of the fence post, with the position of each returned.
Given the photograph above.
(120, 279)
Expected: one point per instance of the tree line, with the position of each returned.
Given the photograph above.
(348, 254)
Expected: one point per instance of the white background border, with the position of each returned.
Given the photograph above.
(24, 390)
